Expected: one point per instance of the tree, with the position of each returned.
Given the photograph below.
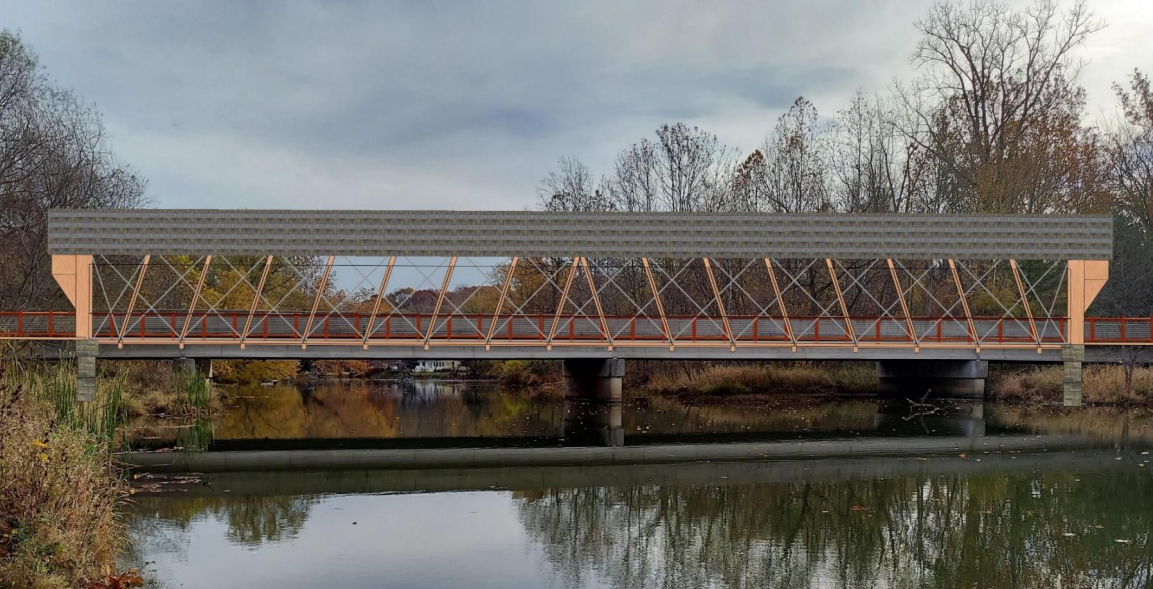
(53, 154)
(1131, 152)
(998, 107)
(686, 169)
(795, 175)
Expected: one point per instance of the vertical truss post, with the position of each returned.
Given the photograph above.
(195, 299)
(781, 304)
(964, 305)
(904, 307)
(376, 305)
(1025, 302)
(560, 305)
(841, 299)
(500, 303)
(132, 301)
(597, 301)
(256, 301)
(439, 301)
(720, 305)
(660, 306)
(316, 302)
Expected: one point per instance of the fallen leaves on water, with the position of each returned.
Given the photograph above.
(858, 508)
(1120, 541)
(963, 455)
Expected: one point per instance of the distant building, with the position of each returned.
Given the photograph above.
(437, 366)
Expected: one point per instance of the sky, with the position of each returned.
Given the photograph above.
(466, 105)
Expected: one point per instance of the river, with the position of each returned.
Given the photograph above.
(1072, 511)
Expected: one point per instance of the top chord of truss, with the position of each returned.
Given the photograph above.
(605, 235)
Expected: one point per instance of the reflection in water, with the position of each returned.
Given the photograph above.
(436, 414)
(1012, 521)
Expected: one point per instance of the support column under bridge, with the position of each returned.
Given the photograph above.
(933, 378)
(594, 379)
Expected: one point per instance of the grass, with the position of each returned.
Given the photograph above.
(155, 388)
(758, 381)
(59, 487)
(1101, 385)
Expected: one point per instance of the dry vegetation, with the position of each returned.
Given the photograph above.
(1102, 385)
(758, 381)
(59, 488)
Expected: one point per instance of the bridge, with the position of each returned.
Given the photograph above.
(949, 292)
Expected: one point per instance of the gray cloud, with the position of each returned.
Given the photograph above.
(461, 105)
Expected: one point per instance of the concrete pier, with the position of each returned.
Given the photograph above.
(593, 423)
(1072, 356)
(202, 365)
(935, 378)
(86, 352)
(594, 379)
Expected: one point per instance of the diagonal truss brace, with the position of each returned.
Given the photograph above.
(561, 304)
(1025, 302)
(597, 301)
(781, 303)
(720, 305)
(256, 301)
(316, 302)
(132, 301)
(841, 300)
(380, 294)
(439, 301)
(659, 304)
(195, 299)
(500, 303)
(964, 305)
(904, 306)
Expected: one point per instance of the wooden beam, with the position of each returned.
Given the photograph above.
(74, 276)
(1025, 302)
(255, 301)
(904, 307)
(132, 301)
(316, 302)
(597, 302)
(379, 298)
(720, 306)
(660, 306)
(965, 305)
(195, 299)
(561, 304)
(500, 303)
(439, 300)
(844, 308)
(781, 304)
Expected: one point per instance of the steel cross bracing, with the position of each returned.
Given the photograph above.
(578, 300)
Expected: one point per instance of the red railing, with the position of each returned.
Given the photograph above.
(537, 328)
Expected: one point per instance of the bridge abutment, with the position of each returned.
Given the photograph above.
(1072, 356)
(594, 379)
(935, 378)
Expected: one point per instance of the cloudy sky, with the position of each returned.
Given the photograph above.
(464, 105)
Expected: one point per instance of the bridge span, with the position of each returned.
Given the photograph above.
(580, 286)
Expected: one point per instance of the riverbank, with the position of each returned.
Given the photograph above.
(746, 383)
(60, 489)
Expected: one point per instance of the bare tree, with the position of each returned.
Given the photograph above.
(873, 166)
(794, 172)
(1131, 152)
(53, 154)
(570, 188)
(685, 169)
(996, 97)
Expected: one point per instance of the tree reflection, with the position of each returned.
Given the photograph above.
(983, 531)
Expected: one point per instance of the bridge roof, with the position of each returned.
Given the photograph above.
(536, 233)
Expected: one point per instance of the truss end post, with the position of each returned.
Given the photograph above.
(856, 349)
(242, 346)
(610, 348)
(672, 348)
(487, 348)
(732, 348)
(548, 348)
(794, 349)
